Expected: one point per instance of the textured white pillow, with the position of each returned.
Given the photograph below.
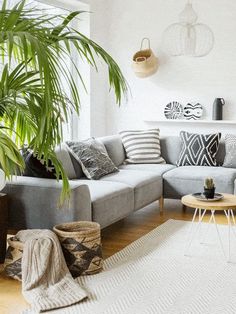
(230, 151)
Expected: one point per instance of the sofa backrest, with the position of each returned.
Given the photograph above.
(115, 148)
(171, 146)
(170, 150)
(220, 156)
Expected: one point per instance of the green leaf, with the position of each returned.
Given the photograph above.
(34, 102)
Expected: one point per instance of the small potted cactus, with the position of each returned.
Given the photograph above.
(209, 188)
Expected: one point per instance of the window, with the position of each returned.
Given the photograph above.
(77, 127)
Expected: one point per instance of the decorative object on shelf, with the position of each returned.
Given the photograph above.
(209, 188)
(188, 37)
(2, 179)
(202, 197)
(174, 110)
(145, 63)
(193, 112)
(217, 113)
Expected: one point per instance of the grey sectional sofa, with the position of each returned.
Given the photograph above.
(33, 202)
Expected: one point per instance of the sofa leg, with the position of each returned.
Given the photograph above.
(161, 205)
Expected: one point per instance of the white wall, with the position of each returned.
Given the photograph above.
(99, 90)
(92, 23)
(182, 79)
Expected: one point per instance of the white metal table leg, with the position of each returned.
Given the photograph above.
(218, 233)
(232, 214)
(228, 216)
(234, 223)
(191, 233)
(208, 227)
(199, 221)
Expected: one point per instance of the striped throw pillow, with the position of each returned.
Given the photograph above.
(142, 147)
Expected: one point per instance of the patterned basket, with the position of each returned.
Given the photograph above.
(12, 265)
(81, 245)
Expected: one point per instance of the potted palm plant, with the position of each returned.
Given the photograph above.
(33, 101)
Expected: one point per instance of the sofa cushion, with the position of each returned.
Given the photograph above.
(170, 148)
(35, 167)
(158, 169)
(64, 156)
(77, 168)
(190, 179)
(93, 158)
(198, 149)
(111, 201)
(115, 148)
(230, 147)
(147, 185)
(142, 146)
(220, 156)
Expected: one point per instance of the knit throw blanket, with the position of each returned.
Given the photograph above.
(46, 281)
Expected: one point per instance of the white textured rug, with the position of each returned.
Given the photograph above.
(152, 275)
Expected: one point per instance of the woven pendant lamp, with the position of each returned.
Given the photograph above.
(187, 37)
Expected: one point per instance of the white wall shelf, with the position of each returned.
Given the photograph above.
(231, 122)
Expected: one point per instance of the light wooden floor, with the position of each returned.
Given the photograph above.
(114, 238)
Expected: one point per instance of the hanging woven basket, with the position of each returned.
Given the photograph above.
(145, 63)
(81, 245)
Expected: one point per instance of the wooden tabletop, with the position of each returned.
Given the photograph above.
(228, 202)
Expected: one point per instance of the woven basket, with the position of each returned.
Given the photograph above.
(145, 63)
(81, 245)
(12, 265)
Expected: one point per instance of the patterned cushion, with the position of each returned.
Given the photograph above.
(230, 151)
(198, 149)
(93, 158)
(35, 167)
(142, 147)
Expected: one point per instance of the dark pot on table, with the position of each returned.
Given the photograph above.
(209, 193)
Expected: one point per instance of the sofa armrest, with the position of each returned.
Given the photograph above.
(34, 203)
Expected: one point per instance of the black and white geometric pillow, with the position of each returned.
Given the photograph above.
(193, 112)
(198, 149)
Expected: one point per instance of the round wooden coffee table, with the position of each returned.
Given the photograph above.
(227, 205)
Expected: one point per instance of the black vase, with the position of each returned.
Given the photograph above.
(209, 193)
(217, 113)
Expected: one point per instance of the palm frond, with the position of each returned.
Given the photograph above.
(34, 102)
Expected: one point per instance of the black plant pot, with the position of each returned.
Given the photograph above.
(209, 193)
